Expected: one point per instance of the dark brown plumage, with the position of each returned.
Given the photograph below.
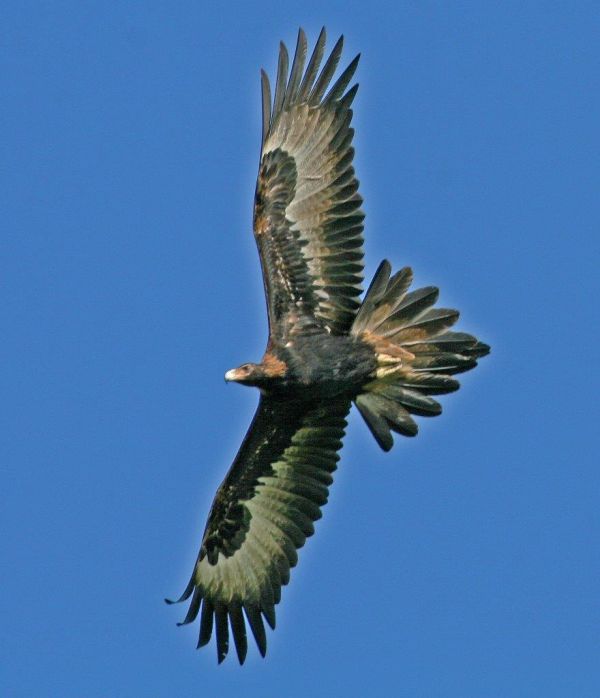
(388, 355)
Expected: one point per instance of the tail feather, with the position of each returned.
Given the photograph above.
(417, 354)
(382, 414)
(413, 400)
(448, 341)
(372, 298)
(429, 383)
(412, 305)
(427, 324)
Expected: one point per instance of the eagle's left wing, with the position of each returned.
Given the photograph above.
(262, 513)
(307, 219)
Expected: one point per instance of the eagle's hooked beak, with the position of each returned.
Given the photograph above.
(232, 375)
(241, 374)
(246, 374)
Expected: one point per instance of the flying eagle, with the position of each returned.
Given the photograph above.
(326, 350)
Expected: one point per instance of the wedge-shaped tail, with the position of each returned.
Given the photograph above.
(417, 355)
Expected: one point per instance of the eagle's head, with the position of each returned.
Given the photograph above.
(247, 374)
(269, 371)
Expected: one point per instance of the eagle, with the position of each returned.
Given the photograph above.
(388, 354)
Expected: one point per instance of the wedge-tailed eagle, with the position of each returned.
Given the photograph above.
(326, 350)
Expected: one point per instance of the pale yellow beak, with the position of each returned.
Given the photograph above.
(231, 375)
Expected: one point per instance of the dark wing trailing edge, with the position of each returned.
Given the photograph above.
(307, 219)
(262, 513)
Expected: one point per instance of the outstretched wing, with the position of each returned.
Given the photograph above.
(307, 219)
(262, 513)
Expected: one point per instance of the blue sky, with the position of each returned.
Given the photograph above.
(464, 562)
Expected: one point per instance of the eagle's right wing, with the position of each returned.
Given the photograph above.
(262, 513)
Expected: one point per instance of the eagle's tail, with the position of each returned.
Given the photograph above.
(416, 354)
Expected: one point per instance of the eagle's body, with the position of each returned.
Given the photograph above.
(317, 365)
(387, 354)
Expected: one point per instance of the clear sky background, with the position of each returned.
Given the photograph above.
(463, 563)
